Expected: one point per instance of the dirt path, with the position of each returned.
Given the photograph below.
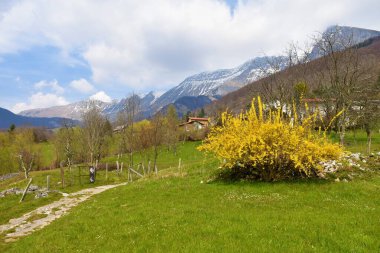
(44, 215)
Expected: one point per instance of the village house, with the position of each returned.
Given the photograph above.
(195, 124)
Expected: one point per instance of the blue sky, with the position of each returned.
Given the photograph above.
(58, 52)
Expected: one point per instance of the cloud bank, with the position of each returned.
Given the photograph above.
(154, 44)
(40, 100)
(82, 85)
(52, 85)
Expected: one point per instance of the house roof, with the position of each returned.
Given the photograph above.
(310, 100)
(192, 120)
(198, 119)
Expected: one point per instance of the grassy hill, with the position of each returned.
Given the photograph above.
(182, 215)
(181, 212)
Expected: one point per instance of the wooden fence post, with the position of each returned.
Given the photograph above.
(179, 166)
(96, 168)
(106, 171)
(149, 167)
(143, 167)
(136, 172)
(62, 174)
(26, 189)
(79, 172)
(155, 169)
(121, 168)
(129, 175)
(48, 182)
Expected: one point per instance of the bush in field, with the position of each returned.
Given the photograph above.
(264, 145)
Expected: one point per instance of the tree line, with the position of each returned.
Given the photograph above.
(22, 149)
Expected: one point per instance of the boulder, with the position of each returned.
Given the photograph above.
(33, 188)
(41, 195)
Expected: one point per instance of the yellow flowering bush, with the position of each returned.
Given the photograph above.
(265, 145)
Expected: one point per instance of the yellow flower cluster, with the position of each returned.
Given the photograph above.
(270, 145)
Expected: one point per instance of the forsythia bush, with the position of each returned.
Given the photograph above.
(263, 144)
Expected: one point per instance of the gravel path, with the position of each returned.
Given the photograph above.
(44, 215)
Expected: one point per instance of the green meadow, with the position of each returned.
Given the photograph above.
(180, 211)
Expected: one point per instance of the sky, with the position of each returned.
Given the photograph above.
(55, 52)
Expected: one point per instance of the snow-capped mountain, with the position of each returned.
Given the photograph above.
(72, 111)
(219, 82)
(76, 110)
(346, 35)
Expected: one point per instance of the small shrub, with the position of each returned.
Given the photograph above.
(265, 145)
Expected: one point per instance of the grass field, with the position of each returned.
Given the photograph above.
(47, 154)
(11, 208)
(178, 211)
(180, 214)
(357, 141)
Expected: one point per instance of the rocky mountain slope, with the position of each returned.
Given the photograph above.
(188, 104)
(219, 82)
(345, 35)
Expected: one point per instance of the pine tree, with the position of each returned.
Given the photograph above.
(202, 113)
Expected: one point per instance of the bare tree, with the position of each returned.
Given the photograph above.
(274, 86)
(94, 131)
(68, 135)
(26, 150)
(121, 123)
(341, 76)
(28, 167)
(366, 109)
(278, 87)
(157, 135)
(131, 108)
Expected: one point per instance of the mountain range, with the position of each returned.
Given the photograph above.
(203, 88)
(213, 84)
(219, 82)
(313, 73)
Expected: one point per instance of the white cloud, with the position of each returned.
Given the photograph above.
(156, 43)
(82, 85)
(40, 100)
(52, 85)
(101, 96)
